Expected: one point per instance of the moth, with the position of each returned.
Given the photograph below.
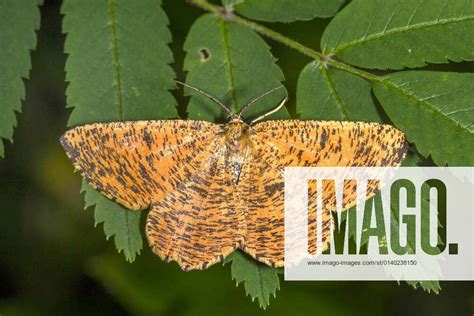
(214, 188)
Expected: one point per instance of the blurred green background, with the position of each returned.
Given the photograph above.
(54, 261)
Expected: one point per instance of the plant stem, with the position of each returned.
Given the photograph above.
(321, 58)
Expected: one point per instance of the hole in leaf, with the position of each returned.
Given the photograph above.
(205, 54)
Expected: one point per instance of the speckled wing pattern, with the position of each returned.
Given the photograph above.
(200, 222)
(136, 163)
(280, 144)
(199, 213)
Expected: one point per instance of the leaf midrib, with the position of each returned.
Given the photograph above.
(116, 59)
(127, 234)
(340, 106)
(118, 100)
(263, 303)
(377, 36)
(228, 62)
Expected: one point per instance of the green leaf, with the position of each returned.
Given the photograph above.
(117, 69)
(433, 109)
(119, 222)
(405, 33)
(233, 63)
(260, 281)
(428, 286)
(118, 65)
(284, 10)
(330, 94)
(18, 22)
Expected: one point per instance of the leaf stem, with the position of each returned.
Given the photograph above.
(321, 58)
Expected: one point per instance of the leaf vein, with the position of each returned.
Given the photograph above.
(340, 105)
(116, 58)
(412, 16)
(229, 72)
(442, 9)
(392, 16)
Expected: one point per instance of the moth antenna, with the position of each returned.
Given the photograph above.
(209, 96)
(257, 98)
(261, 117)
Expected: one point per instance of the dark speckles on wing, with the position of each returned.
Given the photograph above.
(70, 150)
(209, 196)
(277, 144)
(139, 162)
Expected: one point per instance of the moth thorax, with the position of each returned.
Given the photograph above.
(236, 134)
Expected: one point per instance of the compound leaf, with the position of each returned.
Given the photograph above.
(117, 70)
(19, 19)
(405, 33)
(284, 10)
(433, 109)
